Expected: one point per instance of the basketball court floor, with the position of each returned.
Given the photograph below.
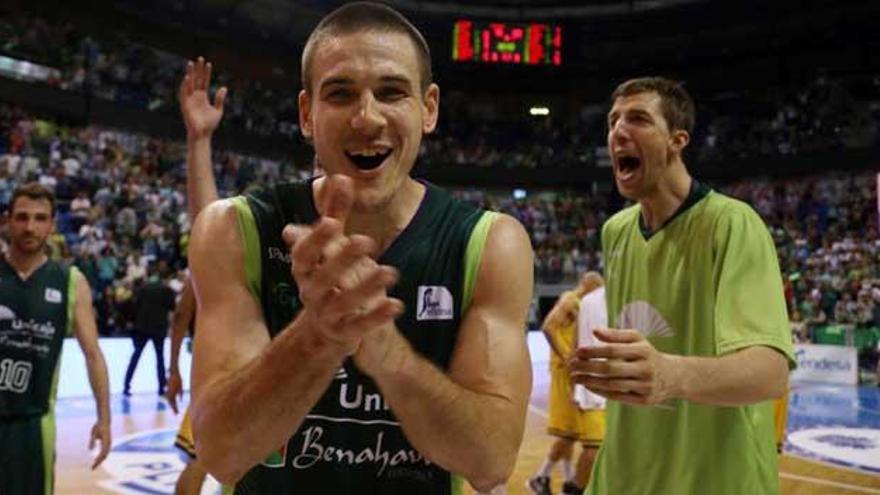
(832, 444)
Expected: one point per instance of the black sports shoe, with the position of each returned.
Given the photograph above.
(569, 488)
(539, 485)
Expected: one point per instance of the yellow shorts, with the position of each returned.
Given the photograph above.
(184, 441)
(566, 420)
(780, 418)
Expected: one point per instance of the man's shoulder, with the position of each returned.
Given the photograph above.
(720, 204)
(622, 219)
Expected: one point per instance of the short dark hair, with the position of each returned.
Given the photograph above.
(676, 104)
(366, 16)
(35, 191)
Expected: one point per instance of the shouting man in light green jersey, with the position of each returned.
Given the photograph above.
(699, 343)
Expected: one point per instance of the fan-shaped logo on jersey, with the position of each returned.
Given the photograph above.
(6, 313)
(641, 316)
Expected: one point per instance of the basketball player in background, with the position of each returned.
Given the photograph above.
(41, 302)
(566, 422)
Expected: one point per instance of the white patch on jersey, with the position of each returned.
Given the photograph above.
(434, 302)
(6, 313)
(53, 295)
(641, 316)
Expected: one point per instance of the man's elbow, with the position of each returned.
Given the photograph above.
(497, 472)
(218, 463)
(486, 482)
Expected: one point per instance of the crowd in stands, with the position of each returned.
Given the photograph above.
(114, 67)
(822, 113)
(121, 199)
(825, 229)
(121, 207)
(122, 202)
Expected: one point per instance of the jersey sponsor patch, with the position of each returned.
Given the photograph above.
(434, 303)
(53, 295)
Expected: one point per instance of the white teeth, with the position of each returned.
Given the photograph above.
(369, 152)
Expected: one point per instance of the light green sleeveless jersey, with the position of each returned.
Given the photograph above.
(706, 284)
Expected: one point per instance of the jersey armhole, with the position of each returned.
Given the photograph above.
(473, 254)
(250, 238)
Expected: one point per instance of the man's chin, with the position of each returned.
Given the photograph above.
(31, 247)
(627, 192)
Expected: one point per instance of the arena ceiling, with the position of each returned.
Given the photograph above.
(296, 17)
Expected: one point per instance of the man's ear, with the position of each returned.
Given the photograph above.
(679, 140)
(431, 102)
(304, 102)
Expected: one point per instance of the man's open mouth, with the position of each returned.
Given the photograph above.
(628, 164)
(368, 160)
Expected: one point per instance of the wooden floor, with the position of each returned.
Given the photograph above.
(156, 475)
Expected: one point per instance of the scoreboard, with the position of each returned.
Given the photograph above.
(507, 43)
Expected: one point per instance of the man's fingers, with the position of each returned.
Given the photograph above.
(628, 352)
(384, 312)
(292, 233)
(199, 82)
(345, 270)
(619, 336)
(627, 398)
(608, 368)
(338, 197)
(606, 385)
(206, 80)
(186, 83)
(105, 449)
(220, 98)
(309, 245)
(369, 291)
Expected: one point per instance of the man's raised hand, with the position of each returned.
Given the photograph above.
(200, 115)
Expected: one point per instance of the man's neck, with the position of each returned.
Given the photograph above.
(384, 224)
(672, 190)
(25, 264)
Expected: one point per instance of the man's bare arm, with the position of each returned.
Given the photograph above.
(631, 370)
(454, 419)
(86, 332)
(180, 321)
(201, 117)
(250, 393)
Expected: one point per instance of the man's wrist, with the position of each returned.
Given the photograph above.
(317, 341)
(676, 376)
(393, 362)
(193, 138)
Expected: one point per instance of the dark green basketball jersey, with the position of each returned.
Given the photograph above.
(351, 442)
(35, 316)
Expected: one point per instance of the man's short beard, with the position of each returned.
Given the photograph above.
(22, 247)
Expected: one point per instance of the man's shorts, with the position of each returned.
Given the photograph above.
(566, 420)
(27, 454)
(186, 447)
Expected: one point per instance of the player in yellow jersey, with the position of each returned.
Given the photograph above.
(566, 421)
